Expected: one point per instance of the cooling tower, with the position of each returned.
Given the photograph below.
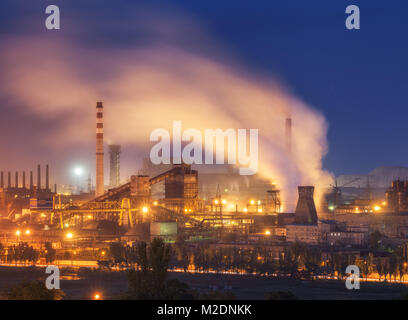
(305, 209)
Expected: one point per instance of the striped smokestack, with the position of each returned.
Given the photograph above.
(288, 135)
(99, 150)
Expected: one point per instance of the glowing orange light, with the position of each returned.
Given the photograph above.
(267, 232)
(97, 296)
(18, 232)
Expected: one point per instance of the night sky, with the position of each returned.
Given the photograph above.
(357, 79)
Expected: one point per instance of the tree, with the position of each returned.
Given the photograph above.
(149, 282)
(50, 253)
(34, 290)
(312, 259)
(182, 252)
(159, 257)
(117, 252)
(375, 240)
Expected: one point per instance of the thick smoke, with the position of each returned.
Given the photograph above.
(145, 87)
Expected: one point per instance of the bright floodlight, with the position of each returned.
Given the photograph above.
(78, 171)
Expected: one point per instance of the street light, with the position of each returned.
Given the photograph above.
(78, 171)
(97, 296)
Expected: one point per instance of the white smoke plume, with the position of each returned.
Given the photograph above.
(145, 87)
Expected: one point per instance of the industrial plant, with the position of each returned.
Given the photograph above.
(187, 206)
(171, 200)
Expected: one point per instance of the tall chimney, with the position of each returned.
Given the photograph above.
(31, 181)
(47, 178)
(2, 180)
(16, 180)
(38, 178)
(99, 150)
(24, 184)
(9, 180)
(288, 135)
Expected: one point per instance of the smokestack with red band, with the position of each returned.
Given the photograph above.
(288, 135)
(99, 150)
(47, 178)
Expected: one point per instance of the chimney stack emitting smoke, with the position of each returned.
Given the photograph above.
(99, 150)
(288, 135)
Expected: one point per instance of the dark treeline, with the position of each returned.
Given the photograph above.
(297, 261)
(22, 253)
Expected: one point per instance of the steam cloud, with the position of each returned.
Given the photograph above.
(148, 86)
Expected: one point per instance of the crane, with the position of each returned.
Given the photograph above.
(337, 191)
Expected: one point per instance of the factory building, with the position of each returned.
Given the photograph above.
(397, 196)
(16, 196)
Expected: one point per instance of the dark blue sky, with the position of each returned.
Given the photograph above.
(357, 79)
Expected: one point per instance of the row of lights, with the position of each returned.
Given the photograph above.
(27, 232)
